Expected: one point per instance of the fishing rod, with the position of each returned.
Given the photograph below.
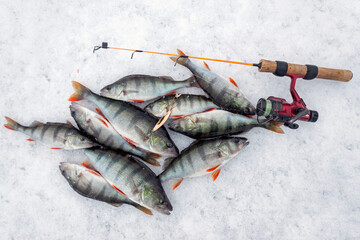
(279, 68)
(272, 108)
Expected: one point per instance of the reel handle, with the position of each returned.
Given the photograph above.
(280, 68)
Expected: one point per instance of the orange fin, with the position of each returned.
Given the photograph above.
(213, 168)
(8, 127)
(178, 116)
(30, 140)
(209, 110)
(100, 112)
(249, 116)
(137, 101)
(170, 93)
(95, 173)
(274, 126)
(215, 174)
(131, 142)
(11, 124)
(55, 148)
(233, 82)
(154, 155)
(177, 183)
(80, 92)
(119, 190)
(68, 122)
(181, 52)
(88, 165)
(144, 209)
(103, 121)
(207, 66)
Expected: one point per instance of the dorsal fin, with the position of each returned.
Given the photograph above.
(167, 77)
(35, 123)
(68, 122)
(207, 66)
(181, 52)
(233, 82)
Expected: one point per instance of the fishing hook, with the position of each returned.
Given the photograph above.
(132, 55)
(179, 58)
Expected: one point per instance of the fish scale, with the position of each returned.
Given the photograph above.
(92, 185)
(185, 104)
(121, 116)
(140, 88)
(128, 175)
(202, 157)
(93, 124)
(55, 135)
(218, 123)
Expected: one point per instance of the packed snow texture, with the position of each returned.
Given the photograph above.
(304, 184)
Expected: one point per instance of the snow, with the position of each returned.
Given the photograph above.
(300, 185)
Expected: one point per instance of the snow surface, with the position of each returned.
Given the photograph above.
(304, 184)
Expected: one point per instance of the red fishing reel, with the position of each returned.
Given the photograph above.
(279, 110)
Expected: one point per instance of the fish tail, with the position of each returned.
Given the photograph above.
(181, 60)
(274, 126)
(80, 92)
(192, 81)
(11, 124)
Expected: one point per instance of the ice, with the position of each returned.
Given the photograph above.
(300, 185)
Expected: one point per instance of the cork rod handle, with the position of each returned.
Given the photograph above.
(309, 71)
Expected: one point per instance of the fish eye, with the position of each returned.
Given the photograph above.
(82, 139)
(161, 201)
(107, 88)
(169, 145)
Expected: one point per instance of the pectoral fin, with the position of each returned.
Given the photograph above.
(176, 183)
(215, 174)
(233, 82)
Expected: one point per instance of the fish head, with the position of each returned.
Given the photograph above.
(158, 108)
(78, 112)
(230, 146)
(162, 145)
(244, 105)
(78, 141)
(114, 90)
(70, 171)
(156, 199)
(249, 109)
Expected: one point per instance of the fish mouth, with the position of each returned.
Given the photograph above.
(164, 209)
(250, 110)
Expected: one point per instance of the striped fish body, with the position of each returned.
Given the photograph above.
(203, 157)
(97, 127)
(54, 135)
(131, 178)
(91, 184)
(140, 88)
(218, 123)
(186, 104)
(223, 92)
(130, 122)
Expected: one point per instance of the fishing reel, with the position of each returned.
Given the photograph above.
(279, 110)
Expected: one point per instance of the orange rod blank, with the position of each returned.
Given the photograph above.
(177, 55)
